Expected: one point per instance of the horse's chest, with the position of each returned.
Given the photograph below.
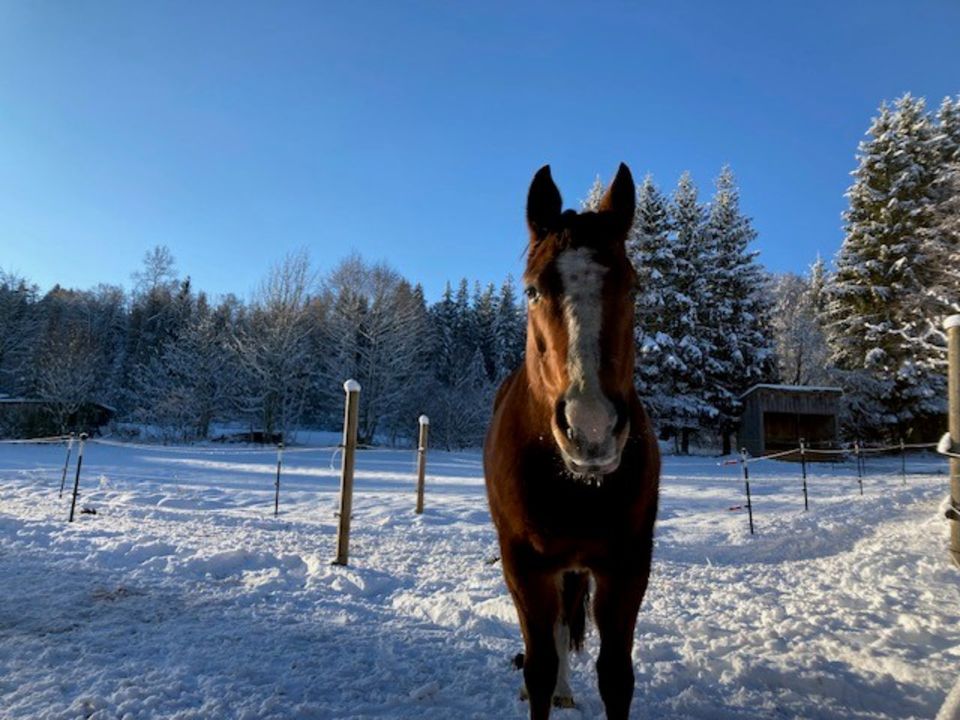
(581, 518)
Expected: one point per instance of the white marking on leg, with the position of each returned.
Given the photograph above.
(562, 694)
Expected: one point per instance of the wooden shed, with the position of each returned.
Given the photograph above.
(775, 417)
(23, 417)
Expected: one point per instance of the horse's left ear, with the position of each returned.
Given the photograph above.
(620, 199)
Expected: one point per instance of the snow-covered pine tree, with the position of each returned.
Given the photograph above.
(650, 249)
(881, 326)
(485, 317)
(817, 285)
(687, 410)
(591, 202)
(948, 131)
(737, 319)
(944, 238)
(19, 327)
(510, 330)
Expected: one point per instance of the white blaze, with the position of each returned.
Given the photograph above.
(582, 280)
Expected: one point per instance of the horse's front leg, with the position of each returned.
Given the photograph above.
(536, 595)
(615, 611)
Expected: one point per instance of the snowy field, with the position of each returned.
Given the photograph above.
(183, 597)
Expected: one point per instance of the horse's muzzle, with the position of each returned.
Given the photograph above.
(590, 433)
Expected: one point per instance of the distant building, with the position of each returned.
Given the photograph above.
(775, 417)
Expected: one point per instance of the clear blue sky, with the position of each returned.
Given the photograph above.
(235, 132)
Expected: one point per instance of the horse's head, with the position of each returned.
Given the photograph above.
(579, 285)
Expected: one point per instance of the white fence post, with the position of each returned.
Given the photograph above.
(422, 460)
(952, 326)
(76, 481)
(63, 479)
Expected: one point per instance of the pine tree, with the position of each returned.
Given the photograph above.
(484, 314)
(688, 407)
(738, 316)
(591, 202)
(948, 131)
(881, 330)
(510, 331)
(650, 249)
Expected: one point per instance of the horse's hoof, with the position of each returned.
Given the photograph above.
(564, 702)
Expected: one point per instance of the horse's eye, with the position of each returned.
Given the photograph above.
(532, 293)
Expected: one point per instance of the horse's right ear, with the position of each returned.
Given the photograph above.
(544, 204)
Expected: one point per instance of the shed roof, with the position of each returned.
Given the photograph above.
(794, 389)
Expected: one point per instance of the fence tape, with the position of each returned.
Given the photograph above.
(50, 440)
(202, 450)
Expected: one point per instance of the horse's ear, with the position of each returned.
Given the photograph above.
(620, 199)
(544, 204)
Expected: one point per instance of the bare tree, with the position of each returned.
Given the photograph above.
(159, 270)
(67, 375)
(800, 344)
(375, 330)
(274, 346)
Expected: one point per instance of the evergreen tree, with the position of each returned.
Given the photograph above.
(591, 202)
(881, 330)
(948, 132)
(688, 407)
(510, 330)
(650, 249)
(737, 316)
(485, 315)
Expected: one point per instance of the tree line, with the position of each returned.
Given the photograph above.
(711, 321)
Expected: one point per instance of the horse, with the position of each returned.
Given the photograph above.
(571, 463)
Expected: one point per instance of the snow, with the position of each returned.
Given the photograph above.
(184, 598)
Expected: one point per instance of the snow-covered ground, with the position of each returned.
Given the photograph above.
(183, 597)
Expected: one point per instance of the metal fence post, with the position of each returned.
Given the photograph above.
(63, 479)
(350, 418)
(424, 422)
(803, 466)
(952, 326)
(276, 496)
(903, 461)
(746, 483)
(76, 481)
(856, 449)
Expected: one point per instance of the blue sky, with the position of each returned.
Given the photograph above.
(408, 131)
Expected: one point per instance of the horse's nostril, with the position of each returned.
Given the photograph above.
(560, 413)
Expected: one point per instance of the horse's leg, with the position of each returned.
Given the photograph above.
(537, 597)
(569, 632)
(615, 611)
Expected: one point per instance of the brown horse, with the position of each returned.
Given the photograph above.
(571, 464)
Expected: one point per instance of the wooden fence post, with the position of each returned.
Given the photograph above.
(952, 326)
(350, 417)
(63, 479)
(76, 481)
(422, 460)
(276, 495)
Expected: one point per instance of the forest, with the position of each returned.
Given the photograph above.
(711, 322)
